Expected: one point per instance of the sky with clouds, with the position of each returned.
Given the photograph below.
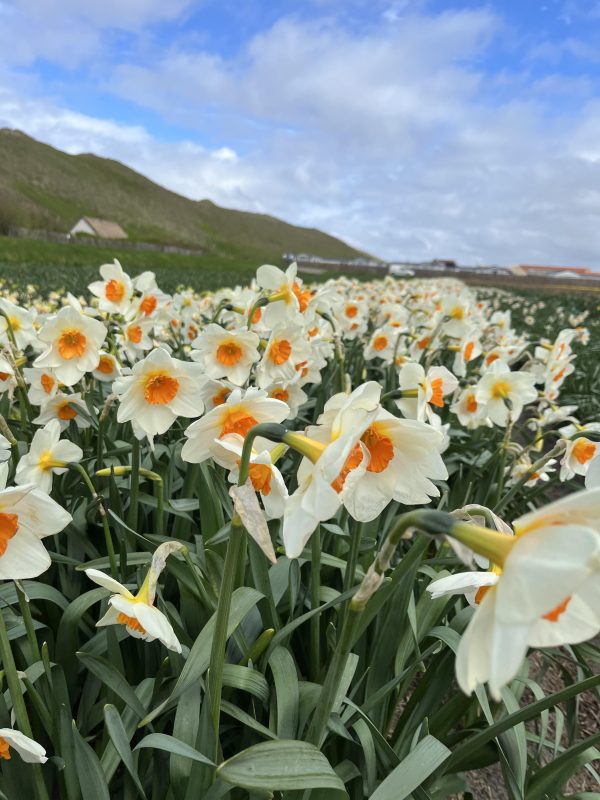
(410, 128)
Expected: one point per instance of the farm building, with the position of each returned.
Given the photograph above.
(102, 228)
(552, 272)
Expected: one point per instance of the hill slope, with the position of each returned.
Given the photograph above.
(41, 187)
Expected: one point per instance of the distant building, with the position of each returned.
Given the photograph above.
(444, 263)
(552, 272)
(102, 228)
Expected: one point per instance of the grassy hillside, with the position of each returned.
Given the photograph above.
(41, 187)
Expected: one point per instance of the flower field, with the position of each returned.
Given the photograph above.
(298, 541)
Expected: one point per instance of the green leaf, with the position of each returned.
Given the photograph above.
(34, 591)
(111, 677)
(247, 679)
(67, 638)
(459, 759)
(196, 664)
(410, 773)
(280, 765)
(286, 692)
(161, 741)
(120, 739)
(89, 772)
(245, 719)
(110, 759)
(555, 774)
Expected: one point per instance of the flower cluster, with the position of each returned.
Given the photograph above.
(327, 403)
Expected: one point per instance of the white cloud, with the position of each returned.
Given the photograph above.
(397, 138)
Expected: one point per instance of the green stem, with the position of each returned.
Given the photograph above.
(318, 725)
(102, 511)
(353, 555)
(191, 476)
(557, 450)
(315, 592)
(430, 521)
(19, 707)
(134, 490)
(28, 620)
(235, 549)
(502, 461)
(160, 506)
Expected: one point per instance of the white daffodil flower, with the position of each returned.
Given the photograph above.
(544, 590)
(47, 455)
(27, 515)
(115, 290)
(30, 751)
(159, 389)
(241, 411)
(73, 343)
(137, 613)
(226, 354)
(500, 387)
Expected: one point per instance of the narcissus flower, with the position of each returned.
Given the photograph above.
(136, 338)
(423, 391)
(73, 345)
(42, 384)
(240, 412)
(577, 457)
(262, 472)
(27, 515)
(504, 393)
(327, 466)
(545, 589)
(592, 479)
(394, 459)
(287, 299)
(47, 455)
(30, 751)
(17, 323)
(382, 344)
(64, 408)
(159, 389)
(108, 368)
(286, 351)
(226, 354)
(137, 613)
(114, 292)
(470, 413)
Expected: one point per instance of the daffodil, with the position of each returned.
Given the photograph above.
(42, 384)
(30, 751)
(159, 389)
(137, 613)
(393, 459)
(226, 354)
(544, 589)
(115, 290)
(264, 476)
(579, 453)
(503, 393)
(73, 343)
(47, 456)
(422, 391)
(286, 353)
(27, 515)
(240, 412)
(327, 465)
(64, 408)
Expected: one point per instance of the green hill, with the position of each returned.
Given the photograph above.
(41, 187)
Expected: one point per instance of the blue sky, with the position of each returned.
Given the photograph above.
(410, 128)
